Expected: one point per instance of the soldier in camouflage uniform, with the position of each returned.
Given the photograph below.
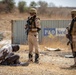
(33, 27)
(72, 32)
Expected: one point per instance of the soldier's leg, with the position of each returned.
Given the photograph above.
(14, 59)
(74, 54)
(75, 59)
(71, 46)
(30, 55)
(35, 42)
(3, 63)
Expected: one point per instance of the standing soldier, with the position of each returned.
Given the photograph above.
(72, 32)
(33, 27)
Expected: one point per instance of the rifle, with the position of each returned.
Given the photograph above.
(70, 39)
(29, 23)
(69, 36)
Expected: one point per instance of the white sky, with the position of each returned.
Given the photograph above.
(69, 3)
(64, 3)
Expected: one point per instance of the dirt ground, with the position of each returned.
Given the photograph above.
(51, 62)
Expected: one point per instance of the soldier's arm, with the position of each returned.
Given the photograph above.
(26, 26)
(71, 26)
(38, 26)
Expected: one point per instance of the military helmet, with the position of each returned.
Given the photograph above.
(33, 10)
(73, 11)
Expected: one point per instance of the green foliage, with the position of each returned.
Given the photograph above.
(33, 4)
(22, 6)
(43, 4)
(10, 3)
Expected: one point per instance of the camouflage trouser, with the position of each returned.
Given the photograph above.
(33, 42)
(74, 45)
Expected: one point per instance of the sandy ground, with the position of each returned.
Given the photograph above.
(51, 63)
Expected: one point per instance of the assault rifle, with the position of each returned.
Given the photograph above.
(69, 36)
(30, 21)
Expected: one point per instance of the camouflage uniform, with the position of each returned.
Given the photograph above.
(72, 31)
(33, 36)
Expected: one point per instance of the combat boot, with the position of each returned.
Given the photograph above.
(75, 63)
(30, 58)
(36, 58)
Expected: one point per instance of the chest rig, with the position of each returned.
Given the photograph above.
(74, 35)
(74, 28)
(31, 22)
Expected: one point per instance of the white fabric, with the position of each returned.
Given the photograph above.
(7, 48)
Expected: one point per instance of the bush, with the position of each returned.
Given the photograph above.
(33, 4)
(22, 6)
(10, 4)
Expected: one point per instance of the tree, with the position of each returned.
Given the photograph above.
(7, 5)
(10, 3)
(5, 1)
(43, 6)
(21, 6)
(33, 4)
(52, 5)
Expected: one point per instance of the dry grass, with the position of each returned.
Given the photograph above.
(49, 65)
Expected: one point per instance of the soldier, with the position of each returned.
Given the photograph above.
(72, 32)
(33, 27)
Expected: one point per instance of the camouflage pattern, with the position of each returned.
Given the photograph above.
(33, 10)
(74, 29)
(35, 27)
(72, 33)
(73, 13)
(33, 38)
(74, 37)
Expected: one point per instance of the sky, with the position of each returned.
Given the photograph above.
(64, 3)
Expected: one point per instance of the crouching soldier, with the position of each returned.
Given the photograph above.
(7, 57)
(72, 32)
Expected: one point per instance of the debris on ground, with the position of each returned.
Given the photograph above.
(52, 49)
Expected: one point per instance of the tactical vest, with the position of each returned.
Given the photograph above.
(74, 29)
(32, 22)
(74, 36)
